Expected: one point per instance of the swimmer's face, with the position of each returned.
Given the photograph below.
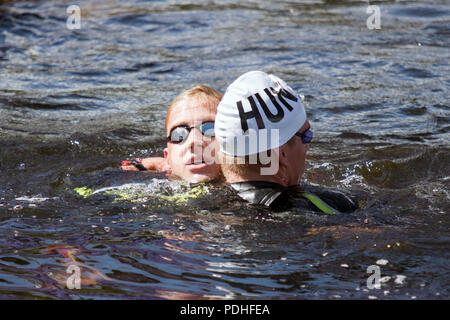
(193, 159)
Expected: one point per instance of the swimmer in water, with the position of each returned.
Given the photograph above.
(191, 144)
(269, 173)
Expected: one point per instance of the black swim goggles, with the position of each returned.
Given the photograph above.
(306, 136)
(180, 133)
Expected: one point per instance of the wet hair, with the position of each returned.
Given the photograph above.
(206, 95)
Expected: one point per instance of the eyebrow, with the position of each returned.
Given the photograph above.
(181, 124)
(184, 124)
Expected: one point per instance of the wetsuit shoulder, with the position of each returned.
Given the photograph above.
(334, 198)
(259, 192)
(278, 197)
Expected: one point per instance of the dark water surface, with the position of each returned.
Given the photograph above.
(74, 103)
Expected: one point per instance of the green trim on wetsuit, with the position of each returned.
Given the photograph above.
(319, 203)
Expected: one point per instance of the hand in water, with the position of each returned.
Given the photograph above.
(152, 164)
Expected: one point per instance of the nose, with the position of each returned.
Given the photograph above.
(195, 139)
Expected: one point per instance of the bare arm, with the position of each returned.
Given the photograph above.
(153, 164)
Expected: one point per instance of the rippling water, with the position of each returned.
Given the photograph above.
(74, 103)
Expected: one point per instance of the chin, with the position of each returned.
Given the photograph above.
(196, 178)
(202, 173)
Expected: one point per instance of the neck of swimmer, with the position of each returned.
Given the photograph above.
(232, 177)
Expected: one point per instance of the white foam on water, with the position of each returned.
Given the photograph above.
(171, 190)
(35, 199)
(155, 186)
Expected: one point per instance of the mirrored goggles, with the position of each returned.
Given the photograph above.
(180, 133)
(306, 136)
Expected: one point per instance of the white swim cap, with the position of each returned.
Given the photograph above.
(258, 112)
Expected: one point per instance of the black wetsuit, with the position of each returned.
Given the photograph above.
(275, 196)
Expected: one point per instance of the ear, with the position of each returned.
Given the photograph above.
(166, 164)
(283, 172)
(283, 157)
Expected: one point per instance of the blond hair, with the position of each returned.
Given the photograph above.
(206, 95)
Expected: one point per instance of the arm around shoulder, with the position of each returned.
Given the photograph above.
(151, 164)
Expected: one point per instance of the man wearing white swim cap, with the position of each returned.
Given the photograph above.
(261, 121)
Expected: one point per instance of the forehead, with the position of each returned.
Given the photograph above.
(191, 110)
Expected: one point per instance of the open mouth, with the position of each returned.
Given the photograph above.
(193, 161)
(197, 163)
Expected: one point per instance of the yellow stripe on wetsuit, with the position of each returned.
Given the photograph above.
(319, 203)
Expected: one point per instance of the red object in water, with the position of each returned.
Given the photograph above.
(130, 163)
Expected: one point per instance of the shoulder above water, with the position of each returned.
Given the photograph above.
(311, 198)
